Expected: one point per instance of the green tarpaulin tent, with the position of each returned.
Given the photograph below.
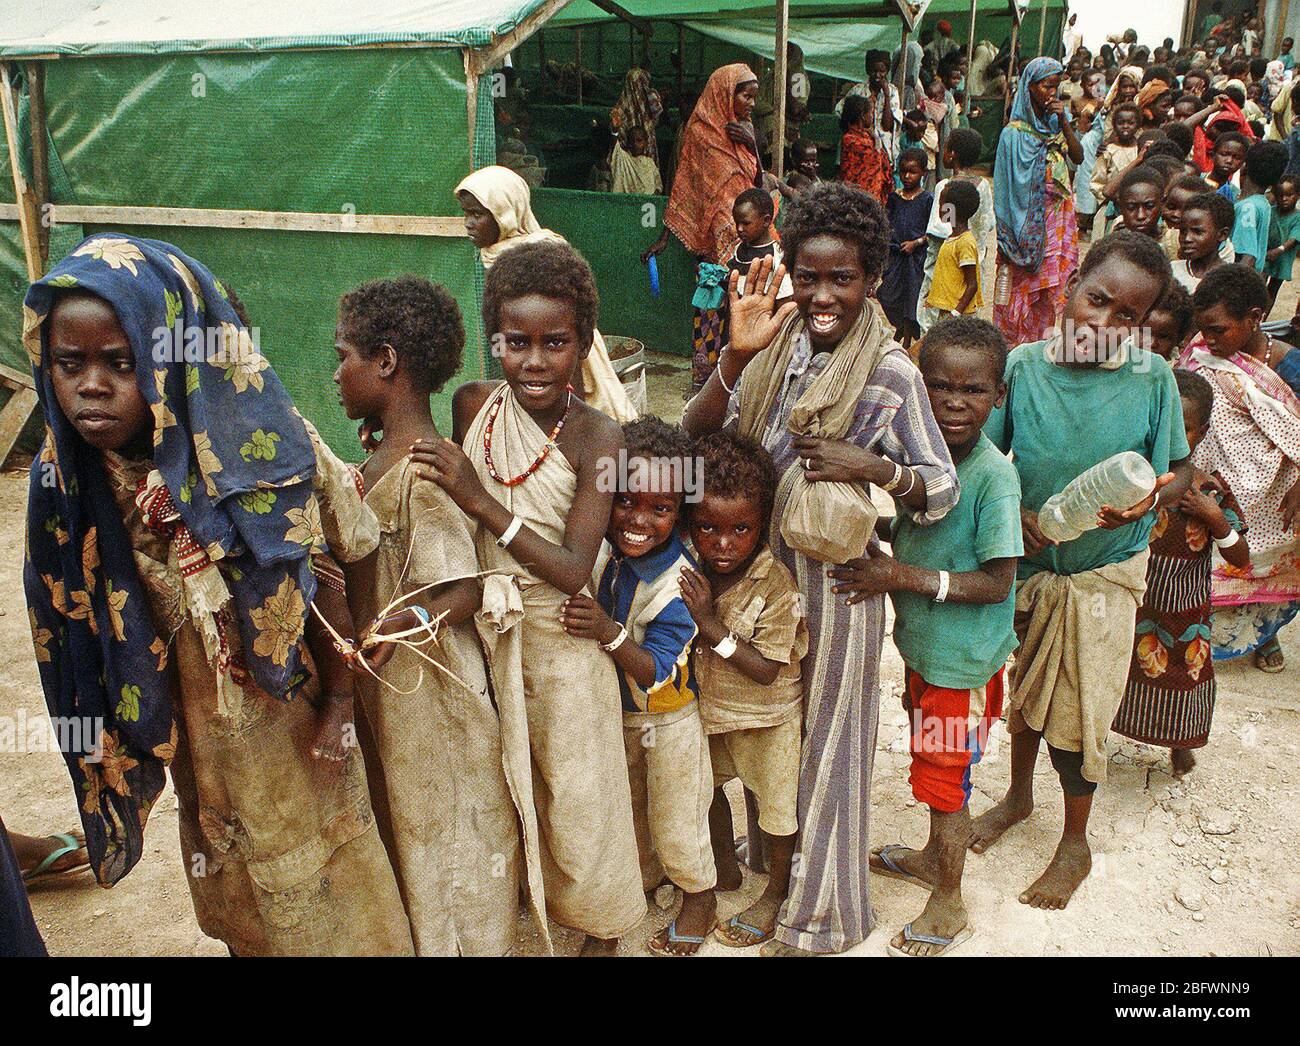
(301, 149)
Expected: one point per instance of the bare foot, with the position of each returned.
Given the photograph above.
(1183, 760)
(777, 950)
(699, 910)
(597, 947)
(920, 863)
(761, 915)
(944, 915)
(987, 828)
(336, 733)
(1068, 868)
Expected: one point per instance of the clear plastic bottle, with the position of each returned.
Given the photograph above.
(1120, 482)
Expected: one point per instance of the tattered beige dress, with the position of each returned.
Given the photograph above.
(435, 753)
(281, 850)
(570, 694)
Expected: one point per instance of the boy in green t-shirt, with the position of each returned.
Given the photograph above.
(952, 586)
(1264, 165)
(1075, 400)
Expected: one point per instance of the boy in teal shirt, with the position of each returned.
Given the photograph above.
(1073, 401)
(1264, 165)
(954, 607)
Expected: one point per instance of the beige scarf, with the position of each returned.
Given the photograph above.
(828, 521)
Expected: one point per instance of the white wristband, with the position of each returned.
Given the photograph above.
(1232, 538)
(617, 642)
(894, 480)
(508, 535)
(726, 645)
(942, 594)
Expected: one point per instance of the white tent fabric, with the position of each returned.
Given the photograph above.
(169, 26)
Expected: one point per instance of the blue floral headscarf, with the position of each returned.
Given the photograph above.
(1020, 172)
(237, 461)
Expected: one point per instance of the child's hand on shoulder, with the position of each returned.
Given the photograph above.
(584, 618)
(875, 573)
(444, 463)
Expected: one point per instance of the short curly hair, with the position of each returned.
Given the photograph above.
(550, 269)
(1216, 205)
(1265, 163)
(1177, 303)
(652, 437)
(736, 466)
(965, 332)
(966, 145)
(1238, 288)
(1193, 386)
(1137, 249)
(845, 212)
(1144, 175)
(419, 319)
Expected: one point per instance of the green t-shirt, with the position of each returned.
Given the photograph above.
(1058, 421)
(961, 645)
(1250, 230)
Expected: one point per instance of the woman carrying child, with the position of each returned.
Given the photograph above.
(719, 161)
(1038, 239)
(822, 385)
(1254, 442)
(181, 522)
(499, 216)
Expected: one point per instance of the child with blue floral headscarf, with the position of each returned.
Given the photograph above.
(180, 514)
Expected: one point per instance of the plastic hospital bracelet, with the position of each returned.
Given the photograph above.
(942, 594)
(1227, 542)
(508, 535)
(609, 648)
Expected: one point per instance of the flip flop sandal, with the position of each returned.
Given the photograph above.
(1261, 662)
(45, 871)
(674, 938)
(759, 936)
(946, 944)
(893, 871)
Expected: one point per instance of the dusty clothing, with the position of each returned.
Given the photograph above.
(570, 694)
(1074, 629)
(672, 787)
(829, 908)
(1112, 159)
(435, 740)
(634, 174)
(300, 871)
(766, 759)
(762, 609)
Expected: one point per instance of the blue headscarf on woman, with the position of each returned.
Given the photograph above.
(1020, 172)
(233, 467)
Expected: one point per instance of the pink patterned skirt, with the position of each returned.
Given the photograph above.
(1038, 297)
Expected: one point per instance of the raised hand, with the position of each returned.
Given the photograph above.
(755, 319)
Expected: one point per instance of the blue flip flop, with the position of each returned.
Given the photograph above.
(674, 938)
(43, 873)
(893, 871)
(946, 944)
(760, 936)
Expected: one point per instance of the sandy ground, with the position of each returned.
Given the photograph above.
(1205, 866)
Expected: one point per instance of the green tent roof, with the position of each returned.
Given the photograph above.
(104, 27)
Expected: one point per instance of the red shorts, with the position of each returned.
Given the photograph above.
(950, 731)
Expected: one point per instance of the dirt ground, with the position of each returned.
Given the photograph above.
(1203, 866)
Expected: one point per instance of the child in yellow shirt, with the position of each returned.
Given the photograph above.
(955, 289)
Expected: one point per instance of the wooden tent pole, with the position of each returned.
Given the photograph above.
(1011, 72)
(970, 50)
(28, 218)
(780, 75)
(681, 61)
(1042, 26)
(577, 59)
(40, 153)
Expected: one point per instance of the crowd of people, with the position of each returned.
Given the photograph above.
(522, 658)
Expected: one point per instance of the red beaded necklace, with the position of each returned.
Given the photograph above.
(550, 441)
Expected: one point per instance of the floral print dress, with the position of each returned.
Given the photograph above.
(1169, 697)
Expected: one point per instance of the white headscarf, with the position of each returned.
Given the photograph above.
(506, 195)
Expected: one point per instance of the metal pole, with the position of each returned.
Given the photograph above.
(779, 86)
